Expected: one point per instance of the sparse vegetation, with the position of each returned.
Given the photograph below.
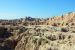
(64, 29)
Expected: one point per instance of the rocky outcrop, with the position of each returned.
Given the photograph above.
(64, 20)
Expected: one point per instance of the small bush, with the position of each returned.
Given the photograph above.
(54, 24)
(64, 29)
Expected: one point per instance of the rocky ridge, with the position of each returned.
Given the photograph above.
(64, 20)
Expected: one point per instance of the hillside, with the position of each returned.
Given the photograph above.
(56, 33)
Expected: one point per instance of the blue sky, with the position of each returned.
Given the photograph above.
(10, 9)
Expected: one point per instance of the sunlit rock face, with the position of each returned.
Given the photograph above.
(64, 20)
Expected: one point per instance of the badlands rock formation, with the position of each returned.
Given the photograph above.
(64, 20)
(57, 33)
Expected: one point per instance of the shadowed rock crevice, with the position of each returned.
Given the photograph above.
(4, 33)
(4, 43)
